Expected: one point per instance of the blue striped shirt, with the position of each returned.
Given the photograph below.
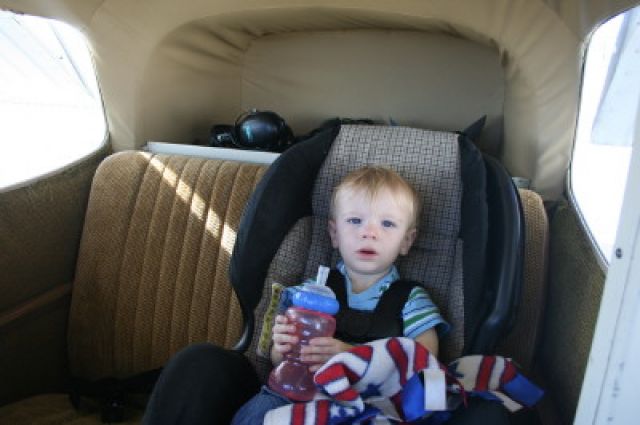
(419, 313)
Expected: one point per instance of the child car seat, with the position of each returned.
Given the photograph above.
(468, 252)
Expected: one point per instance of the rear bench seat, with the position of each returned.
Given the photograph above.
(151, 275)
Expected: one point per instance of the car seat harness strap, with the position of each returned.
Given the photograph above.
(360, 326)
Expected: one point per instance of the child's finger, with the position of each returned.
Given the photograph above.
(282, 348)
(317, 349)
(315, 358)
(284, 338)
(322, 341)
(282, 325)
(284, 329)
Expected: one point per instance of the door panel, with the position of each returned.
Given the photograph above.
(576, 282)
(40, 227)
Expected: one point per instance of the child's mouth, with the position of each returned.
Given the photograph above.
(366, 252)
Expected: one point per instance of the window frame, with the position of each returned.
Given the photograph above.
(570, 193)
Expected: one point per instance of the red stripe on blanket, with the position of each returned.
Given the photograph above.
(420, 358)
(396, 400)
(484, 373)
(349, 394)
(396, 350)
(332, 373)
(509, 373)
(297, 413)
(322, 412)
(351, 375)
(365, 352)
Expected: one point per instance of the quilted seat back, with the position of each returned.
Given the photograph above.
(152, 270)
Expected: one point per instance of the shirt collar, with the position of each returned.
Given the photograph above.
(390, 277)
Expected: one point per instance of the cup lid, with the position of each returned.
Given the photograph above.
(316, 297)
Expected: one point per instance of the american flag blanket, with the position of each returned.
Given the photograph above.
(396, 380)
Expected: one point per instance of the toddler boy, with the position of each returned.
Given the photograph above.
(373, 220)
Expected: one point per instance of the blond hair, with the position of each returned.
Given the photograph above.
(371, 179)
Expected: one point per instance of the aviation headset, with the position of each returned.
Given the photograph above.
(258, 130)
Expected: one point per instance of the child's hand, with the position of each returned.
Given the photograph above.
(283, 335)
(322, 349)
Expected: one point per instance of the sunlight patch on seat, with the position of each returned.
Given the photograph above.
(214, 225)
(228, 239)
(185, 192)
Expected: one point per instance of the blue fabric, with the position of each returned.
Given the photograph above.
(523, 391)
(253, 411)
(413, 399)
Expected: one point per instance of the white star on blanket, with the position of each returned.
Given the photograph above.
(380, 381)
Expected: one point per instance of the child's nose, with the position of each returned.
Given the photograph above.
(369, 231)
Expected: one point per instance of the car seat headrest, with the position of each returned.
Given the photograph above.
(428, 160)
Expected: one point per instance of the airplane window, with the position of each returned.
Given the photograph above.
(50, 107)
(606, 126)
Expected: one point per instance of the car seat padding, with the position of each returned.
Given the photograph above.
(285, 189)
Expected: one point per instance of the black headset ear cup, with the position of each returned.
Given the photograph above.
(259, 130)
(286, 138)
(222, 136)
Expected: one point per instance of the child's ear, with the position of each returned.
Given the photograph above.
(333, 233)
(407, 241)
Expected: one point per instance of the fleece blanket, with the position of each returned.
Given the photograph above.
(396, 380)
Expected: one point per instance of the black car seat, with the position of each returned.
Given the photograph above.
(468, 253)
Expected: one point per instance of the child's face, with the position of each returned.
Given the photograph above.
(371, 233)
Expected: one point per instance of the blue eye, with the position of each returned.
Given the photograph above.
(354, 220)
(388, 223)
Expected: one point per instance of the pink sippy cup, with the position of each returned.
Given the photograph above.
(311, 313)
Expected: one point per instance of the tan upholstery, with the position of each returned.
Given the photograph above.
(522, 341)
(576, 283)
(152, 269)
(40, 224)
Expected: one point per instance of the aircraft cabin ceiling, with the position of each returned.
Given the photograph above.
(170, 69)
